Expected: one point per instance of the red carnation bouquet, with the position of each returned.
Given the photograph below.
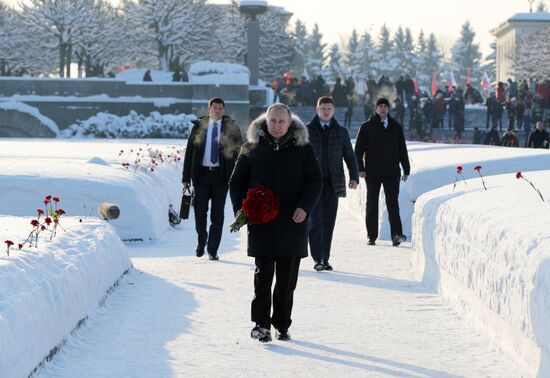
(259, 207)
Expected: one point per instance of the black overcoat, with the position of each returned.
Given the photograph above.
(288, 168)
(379, 151)
(339, 146)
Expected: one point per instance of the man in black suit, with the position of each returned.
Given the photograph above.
(331, 144)
(212, 149)
(380, 148)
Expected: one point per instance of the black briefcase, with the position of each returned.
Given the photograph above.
(186, 200)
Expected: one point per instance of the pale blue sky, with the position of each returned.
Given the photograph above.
(442, 17)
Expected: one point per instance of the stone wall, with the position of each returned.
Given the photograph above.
(67, 100)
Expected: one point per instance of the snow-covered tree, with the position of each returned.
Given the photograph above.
(315, 52)
(541, 7)
(161, 28)
(353, 55)
(275, 43)
(384, 53)
(403, 53)
(532, 55)
(429, 60)
(104, 43)
(466, 55)
(335, 62)
(489, 65)
(299, 42)
(367, 53)
(60, 23)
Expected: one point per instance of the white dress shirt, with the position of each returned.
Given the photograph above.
(385, 123)
(208, 143)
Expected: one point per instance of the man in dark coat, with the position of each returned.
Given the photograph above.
(278, 156)
(212, 149)
(380, 148)
(339, 93)
(539, 137)
(331, 143)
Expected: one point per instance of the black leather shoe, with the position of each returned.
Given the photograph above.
(371, 242)
(319, 266)
(213, 257)
(199, 251)
(260, 333)
(282, 334)
(327, 266)
(398, 239)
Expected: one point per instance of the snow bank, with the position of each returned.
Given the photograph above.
(46, 291)
(30, 170)
(433, 165)
(134, 125)
(207, 72)
(32, 111)
(488, 252)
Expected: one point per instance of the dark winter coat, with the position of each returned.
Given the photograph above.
(379, 151)
(537, 139)
(230, 143)
(339, 94)
(339, 146)
(288, 168)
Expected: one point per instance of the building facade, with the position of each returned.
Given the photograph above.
(508, 35)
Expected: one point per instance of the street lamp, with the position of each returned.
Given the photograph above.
(531, 5)
(253, 8)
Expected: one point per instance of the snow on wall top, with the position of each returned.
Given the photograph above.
(32, 111)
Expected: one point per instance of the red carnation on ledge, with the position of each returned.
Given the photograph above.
(478, 169)
(458, 173)
(519, 175)
(9, 243)
(260, 207)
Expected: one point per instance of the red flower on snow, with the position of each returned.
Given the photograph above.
(20, 245)
(458, 173)
(40, 212)
(55, 199)
(478, 169)
(35, 223)
(519, 175)
(48, 220)
(9, 243)
(60, 211)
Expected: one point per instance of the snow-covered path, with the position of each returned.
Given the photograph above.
(176, 315)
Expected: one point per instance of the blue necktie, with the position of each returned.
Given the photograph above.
(214, 146)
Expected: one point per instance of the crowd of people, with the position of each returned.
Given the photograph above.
(511, 107)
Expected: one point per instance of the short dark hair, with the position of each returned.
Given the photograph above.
(384, 101)
(216, 100)
(325, 100)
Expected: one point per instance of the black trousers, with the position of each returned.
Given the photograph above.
(285, 270)
(211, 186)
(321, 223)
(391, 191)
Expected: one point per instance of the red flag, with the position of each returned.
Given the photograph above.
(485, 82)
(468, 78)
(434, 84)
